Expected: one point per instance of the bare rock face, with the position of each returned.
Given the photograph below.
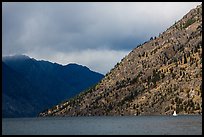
(157, 77)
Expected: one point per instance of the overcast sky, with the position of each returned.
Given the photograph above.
(97, 35)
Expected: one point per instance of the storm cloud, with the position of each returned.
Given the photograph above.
(97, 35)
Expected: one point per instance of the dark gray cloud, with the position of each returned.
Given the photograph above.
(52, 30)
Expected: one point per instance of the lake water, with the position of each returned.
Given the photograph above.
(105, 125)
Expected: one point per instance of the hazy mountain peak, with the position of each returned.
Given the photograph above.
(17, 56)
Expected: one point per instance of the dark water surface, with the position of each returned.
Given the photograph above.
(104, 125)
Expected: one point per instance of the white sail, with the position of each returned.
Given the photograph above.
(174, 114)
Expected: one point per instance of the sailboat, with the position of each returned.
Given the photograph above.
(174, 114)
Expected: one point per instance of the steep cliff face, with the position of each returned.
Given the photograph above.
(162, 75)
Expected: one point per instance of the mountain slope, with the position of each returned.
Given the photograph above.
(14, 85)
(157, 77)
(40, 84)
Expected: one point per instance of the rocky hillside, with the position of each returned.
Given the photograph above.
(157, 77)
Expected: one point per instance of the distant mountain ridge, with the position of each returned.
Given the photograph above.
(158, 77)
(31, 86)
